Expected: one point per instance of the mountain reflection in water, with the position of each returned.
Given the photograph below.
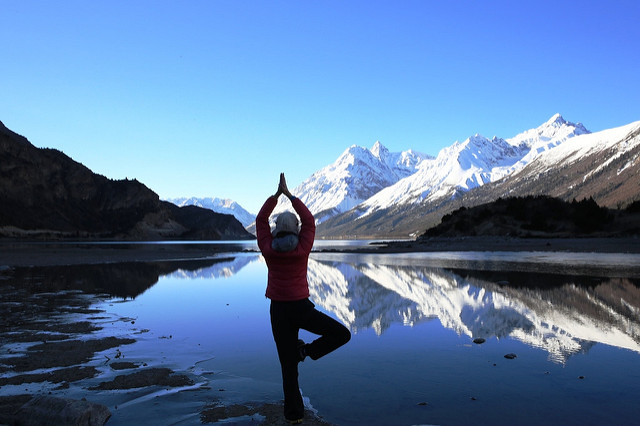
(561, 314)
(411, 359)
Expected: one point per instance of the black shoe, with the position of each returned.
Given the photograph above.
(302, 350)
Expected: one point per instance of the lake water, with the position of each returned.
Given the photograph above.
(572, 320)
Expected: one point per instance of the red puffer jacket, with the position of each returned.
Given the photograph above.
(287, 280)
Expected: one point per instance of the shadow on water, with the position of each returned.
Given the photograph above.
(124, 280)
(40, 303)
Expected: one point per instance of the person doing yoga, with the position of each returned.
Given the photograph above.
(286, 251)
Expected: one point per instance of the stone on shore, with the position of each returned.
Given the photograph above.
(145, 378)
(50, 410)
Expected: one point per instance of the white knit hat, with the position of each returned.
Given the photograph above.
(286, 222)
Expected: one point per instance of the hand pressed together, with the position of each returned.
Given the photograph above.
(282, 187)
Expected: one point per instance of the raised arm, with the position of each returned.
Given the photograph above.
(263, 230)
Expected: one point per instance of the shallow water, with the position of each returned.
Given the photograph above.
(572, 320)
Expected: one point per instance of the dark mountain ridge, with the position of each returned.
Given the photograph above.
(45, 194)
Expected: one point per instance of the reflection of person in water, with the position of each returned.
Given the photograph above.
(286, 252)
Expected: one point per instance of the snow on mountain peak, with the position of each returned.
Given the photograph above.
(474, 162)
(555, 120)
(549, 135)
(218, 205)
(557, 125)
(355, 176)
(379, 151)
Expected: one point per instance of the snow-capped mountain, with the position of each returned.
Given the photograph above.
(605, 147)
(355, 176)
(473, 163)
(559, 158)
(218, 205)
(376, 193)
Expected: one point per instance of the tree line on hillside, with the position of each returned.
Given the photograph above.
(539, 216)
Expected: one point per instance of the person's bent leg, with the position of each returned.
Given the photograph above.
(285, 334)
(332, 334)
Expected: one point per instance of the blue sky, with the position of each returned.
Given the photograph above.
(216, 98)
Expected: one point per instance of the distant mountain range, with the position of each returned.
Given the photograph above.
(365, 193)
(369, 193)
(45, 194)
(357, 175)
(374, 193)
(218, 205)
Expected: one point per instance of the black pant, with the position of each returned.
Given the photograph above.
(287, 318)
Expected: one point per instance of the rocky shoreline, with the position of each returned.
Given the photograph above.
(18, 254)
(62, 360)
(491, 243)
